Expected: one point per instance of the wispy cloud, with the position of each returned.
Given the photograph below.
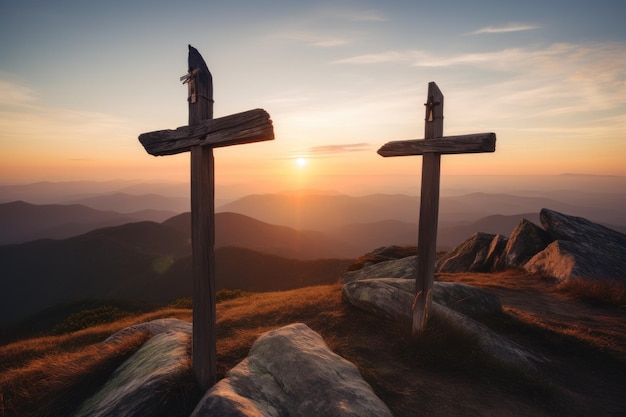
(27, 123)
(16, 94)
(511, 27)
(333, 149)
(378, 58)
(363, 16)
(313, 38)
(325, 151)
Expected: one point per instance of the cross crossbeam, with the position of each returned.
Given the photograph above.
(236, 129)
(432, 147)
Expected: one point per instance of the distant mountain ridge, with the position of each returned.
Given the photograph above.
(22, 222)
(50, 192)
(126, 203)
(143, 261)
(234, 229)
(327, 212)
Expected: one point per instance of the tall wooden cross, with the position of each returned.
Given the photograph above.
(432, 147)
(200, 137)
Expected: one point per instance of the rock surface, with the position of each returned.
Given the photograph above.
(398, 268)
(392, 298)
(143, 383)
(566, 247)
(476, 254)
(582, 249)
(291, 372)
(288, 372)
(526, 240)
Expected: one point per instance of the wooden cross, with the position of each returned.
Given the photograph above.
(200, 137)
(432, 147)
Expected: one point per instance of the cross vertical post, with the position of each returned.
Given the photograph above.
(199, 138)
(204, 351)
(429, 210)
(432, 147)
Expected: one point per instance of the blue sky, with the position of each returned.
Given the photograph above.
(79, 81)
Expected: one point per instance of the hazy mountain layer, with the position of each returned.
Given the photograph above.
(22, 222)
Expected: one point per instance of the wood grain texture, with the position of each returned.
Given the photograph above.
(204, 343)
(475, 143)
(245, 127)
(429, 211)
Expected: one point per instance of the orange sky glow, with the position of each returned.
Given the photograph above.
(338, 82)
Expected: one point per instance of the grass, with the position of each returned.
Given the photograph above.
(597, 292)
(440, 374)
(52, 381)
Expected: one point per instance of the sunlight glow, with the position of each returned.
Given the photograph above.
(301, 162)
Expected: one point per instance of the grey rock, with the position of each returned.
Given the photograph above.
(392, 299)
(582, 249)
(495, 254)
(399, 268)
(491, 343)
(291, 372)
(527, 239)
(153, 328)
(476, 254)
(140, 386)
(468, 300)
(565, 260)
(564, 227)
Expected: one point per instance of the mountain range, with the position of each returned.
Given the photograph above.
(123, 245)
(151, 262)
(22, 222)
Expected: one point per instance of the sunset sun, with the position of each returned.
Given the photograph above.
(301, 162)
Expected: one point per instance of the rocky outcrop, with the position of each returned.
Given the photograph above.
(566, 247)
(398, 268)
(526, 240)
(581, 249)
(291, 372)
(479, 253)
(392, 298)
(288, 372)
(148, 379)
(152, 328)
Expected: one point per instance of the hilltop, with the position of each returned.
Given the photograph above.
(585, 346)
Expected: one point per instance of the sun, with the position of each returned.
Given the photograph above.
(301, 162)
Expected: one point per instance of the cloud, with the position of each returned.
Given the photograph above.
(333, 149)
(511, 27)
(378, 58)
(362, 16)
(313, 39)
(31, 126)
(16, 94)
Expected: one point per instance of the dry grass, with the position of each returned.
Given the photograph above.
(54, 380)
(438, 375)
(597, 292)
(49, 371)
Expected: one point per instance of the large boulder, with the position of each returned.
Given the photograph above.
(527, 239)
(152, 328)
(582, 249)
(567, 247)
(392, 299)
(151, 377)
(291, 372)
(479, 253)
(397, 268)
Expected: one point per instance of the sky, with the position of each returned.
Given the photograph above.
(81, 80)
